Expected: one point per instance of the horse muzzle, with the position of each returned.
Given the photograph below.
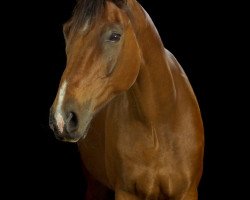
(64, 126)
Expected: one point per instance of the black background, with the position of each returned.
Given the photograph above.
(200, 35)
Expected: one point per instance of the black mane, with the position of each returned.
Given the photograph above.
(87, 10)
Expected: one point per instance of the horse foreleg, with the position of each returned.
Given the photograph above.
(121, 195)
(189, 195)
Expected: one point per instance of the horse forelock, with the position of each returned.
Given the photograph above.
(86, 11)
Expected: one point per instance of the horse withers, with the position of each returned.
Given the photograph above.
(128, 104)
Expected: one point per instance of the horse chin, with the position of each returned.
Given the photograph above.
(67, 138)
(71, 140)
(74, 137)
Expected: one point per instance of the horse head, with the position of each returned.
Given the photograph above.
(103, 60)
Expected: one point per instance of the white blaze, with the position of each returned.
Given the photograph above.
(58, 114)
(86, 26)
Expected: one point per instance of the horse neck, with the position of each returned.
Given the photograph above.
(153, 93)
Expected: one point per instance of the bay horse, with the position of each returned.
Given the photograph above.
(128, 104)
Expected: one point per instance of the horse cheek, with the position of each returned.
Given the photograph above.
(128, 65)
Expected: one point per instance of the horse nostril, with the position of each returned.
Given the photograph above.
(71, 122)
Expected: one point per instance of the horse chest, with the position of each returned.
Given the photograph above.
(139, 177)
(136, 163)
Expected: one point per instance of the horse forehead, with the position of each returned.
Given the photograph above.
(113, 13)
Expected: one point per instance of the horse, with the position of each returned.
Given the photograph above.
(128, 104)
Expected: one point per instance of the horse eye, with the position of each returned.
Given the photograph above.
(115, 37)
